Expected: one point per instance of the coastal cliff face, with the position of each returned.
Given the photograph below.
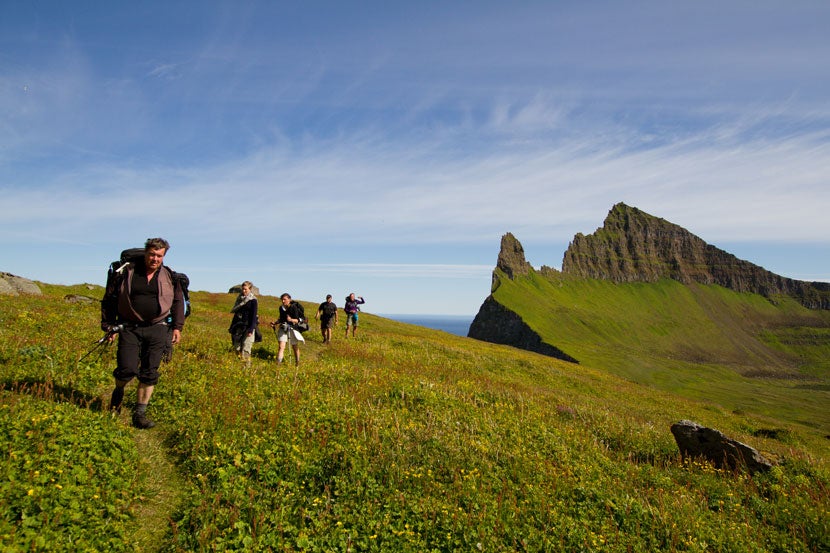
(632, 246)
(498, 324)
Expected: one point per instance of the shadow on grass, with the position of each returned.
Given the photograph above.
(264, 353)
(48, 390)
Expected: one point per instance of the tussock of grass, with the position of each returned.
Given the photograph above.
(403, 439)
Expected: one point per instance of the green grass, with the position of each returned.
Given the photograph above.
(404, 439)
(739, 351)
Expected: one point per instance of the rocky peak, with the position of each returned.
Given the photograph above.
(633, 246)
(511, 259)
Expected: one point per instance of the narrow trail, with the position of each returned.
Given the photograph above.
(158, 474)
(165, 488)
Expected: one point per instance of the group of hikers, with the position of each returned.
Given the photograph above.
(290, 325)
(144, 305)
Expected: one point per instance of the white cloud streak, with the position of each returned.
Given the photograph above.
(714, 184)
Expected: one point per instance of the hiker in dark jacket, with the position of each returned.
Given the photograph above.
(142, 299)
(291, 313)
(244, 322)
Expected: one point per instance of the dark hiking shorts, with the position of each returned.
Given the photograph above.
(326, 322)
(140, 352)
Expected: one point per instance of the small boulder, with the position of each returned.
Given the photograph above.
(77, 298)
(237, 289)
(695, 440)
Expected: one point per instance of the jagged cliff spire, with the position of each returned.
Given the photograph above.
(633, 246)
(512, 260)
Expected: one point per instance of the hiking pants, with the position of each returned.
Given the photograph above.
(140, 351)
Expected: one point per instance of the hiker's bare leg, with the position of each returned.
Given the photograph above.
(144, 393)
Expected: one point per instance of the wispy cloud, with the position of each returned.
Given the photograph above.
(754, 189)
(168, 71)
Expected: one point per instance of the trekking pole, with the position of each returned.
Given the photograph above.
(113, 330)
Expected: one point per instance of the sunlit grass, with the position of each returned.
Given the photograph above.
(741, 351)
(404, 439)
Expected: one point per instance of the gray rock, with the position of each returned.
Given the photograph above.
(76, 298)
(14, 285)
(695, 440)
(237, 289)
(7, 289)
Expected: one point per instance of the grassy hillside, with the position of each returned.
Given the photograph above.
(736, 350)
(404, 439)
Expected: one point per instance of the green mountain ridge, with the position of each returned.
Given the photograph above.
(674, 330)
(633, 246)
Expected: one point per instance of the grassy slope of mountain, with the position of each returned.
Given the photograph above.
(404, 439)
(738, 350)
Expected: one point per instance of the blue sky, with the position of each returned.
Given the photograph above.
(385, 147)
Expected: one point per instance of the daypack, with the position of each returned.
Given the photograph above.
(136, 255)
(301, 326)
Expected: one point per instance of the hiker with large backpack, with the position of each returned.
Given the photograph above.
(144, 304)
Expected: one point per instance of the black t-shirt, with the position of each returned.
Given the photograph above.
(145, 295)
(328, 310)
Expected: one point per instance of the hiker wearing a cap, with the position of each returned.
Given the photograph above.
(327, 315)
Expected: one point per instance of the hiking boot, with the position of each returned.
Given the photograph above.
(140, 420)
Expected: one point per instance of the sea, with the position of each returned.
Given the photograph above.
(454, 324)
